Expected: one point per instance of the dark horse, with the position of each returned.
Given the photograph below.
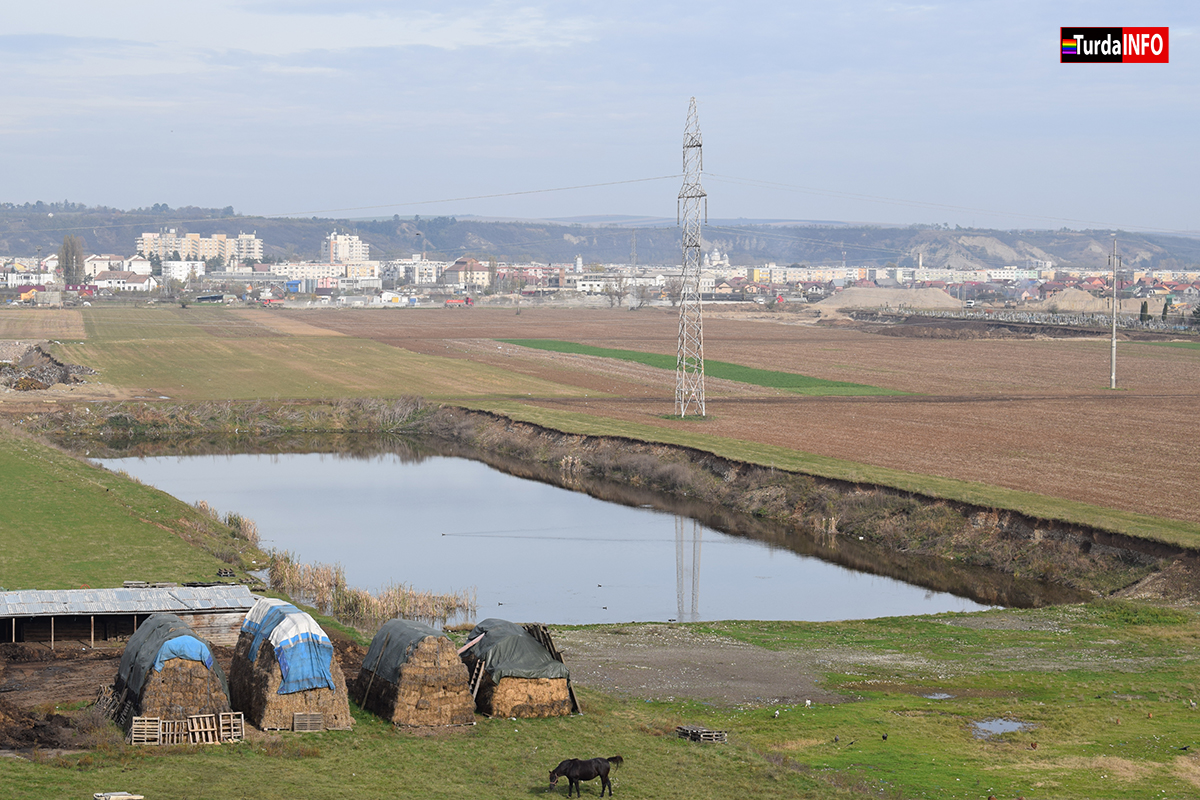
(576, 770)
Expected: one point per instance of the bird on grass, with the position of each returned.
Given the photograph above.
(776, 713)
(885, 737)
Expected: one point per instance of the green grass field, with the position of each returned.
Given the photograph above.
(68, 525)
(200, 354)
(723, 370)
(1102, 690)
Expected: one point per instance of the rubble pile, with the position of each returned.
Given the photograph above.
(29, 368)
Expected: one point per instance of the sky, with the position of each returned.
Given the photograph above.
(882, 112)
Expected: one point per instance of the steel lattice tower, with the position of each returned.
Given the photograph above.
(689, 365)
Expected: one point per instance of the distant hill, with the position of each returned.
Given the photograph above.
(24, 228)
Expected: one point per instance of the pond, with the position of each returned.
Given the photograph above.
(532, 551)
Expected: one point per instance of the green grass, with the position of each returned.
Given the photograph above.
(1184, 345)
(67, 524)
(1103, 688)
(788, 381)
(1176, 532)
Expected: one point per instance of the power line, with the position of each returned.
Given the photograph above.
(763, 184)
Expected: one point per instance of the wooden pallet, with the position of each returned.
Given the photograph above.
(173, 731)
(231, 726)
(698, 733)
(308, 723)
(145, 730)
(105, 701)
(202, 729)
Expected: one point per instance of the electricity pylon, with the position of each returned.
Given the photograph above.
(689, 365)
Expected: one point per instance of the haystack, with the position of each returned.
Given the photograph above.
(519, 677)
(283, 665)
(168, 672)
(412, 675)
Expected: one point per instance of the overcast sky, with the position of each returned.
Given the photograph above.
(861, 111)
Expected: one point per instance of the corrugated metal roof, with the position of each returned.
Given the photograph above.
(43, 602)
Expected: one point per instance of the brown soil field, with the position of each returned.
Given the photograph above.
(1027, 414)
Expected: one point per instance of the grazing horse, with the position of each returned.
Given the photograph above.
(576, 770)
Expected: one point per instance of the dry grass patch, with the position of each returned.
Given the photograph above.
(800, 744)
(1187, 768)
(41, 323)
(1113, 767)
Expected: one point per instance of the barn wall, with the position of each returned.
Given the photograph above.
(220, 628)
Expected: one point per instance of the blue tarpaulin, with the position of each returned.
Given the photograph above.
(304, 652)
(188, 647)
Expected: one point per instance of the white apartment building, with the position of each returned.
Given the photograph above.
(182, 270)
(119, 281)
(345, 248)
(362, 269)
(309, 270)
(194, 247)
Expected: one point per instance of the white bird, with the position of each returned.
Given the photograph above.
(808, 703)
(777, 714)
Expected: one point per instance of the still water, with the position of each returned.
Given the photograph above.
(533, 552)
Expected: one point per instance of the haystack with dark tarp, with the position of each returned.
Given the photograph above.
(412, 676)
(519, 677)
(168, 672)
(283, 665)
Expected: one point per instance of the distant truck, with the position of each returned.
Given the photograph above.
(459, 302)
(970, 304)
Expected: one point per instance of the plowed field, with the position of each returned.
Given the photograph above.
(1028, 414)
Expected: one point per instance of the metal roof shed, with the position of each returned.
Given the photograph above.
(44, 615)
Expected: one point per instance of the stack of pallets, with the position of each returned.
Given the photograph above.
(699, 733)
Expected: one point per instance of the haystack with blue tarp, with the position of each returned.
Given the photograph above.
(283, 665)
(412, 676)
(168, 672)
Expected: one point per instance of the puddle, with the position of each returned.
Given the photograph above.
(995, 727)
(937, 696)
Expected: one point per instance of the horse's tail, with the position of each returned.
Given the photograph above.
(616, 761)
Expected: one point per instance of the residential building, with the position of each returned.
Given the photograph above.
(345, 248)
(117, 281)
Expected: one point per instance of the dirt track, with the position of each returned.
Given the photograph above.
(1034, 415)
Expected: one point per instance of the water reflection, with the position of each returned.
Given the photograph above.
(682, 568)
(534, 551)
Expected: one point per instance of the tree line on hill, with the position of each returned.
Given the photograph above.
(39, 228)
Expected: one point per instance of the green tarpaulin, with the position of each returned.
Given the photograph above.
(508, 651)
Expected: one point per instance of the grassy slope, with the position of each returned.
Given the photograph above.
(66, 524)
(789, 381)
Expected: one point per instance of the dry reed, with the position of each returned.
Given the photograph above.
(324, 586)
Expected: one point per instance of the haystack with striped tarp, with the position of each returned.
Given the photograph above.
(412, 676)
(514, 674)
(283, 666)
(168, 672)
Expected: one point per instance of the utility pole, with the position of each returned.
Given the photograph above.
(689, 364)
(1115, 261)
(633, 250)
